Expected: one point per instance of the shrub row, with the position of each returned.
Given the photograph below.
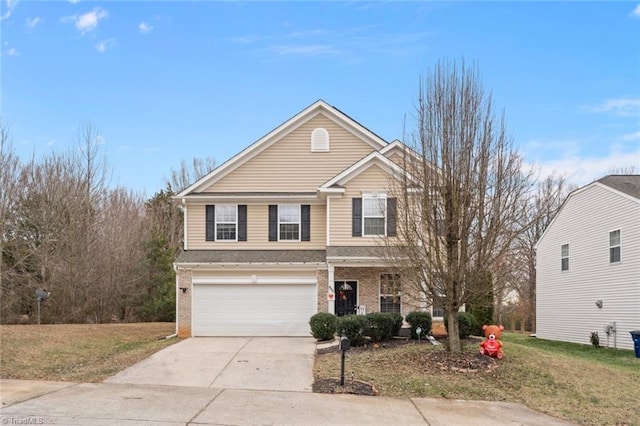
(377, 326)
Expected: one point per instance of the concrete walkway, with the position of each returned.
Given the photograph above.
(134, 405)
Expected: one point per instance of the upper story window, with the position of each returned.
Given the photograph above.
(390, 293)
(373, 215)
(564, 257)
(226, 222)
(614, 246)
(289, 222)
(319, 140)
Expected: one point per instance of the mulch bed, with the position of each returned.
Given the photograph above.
(465, 362)
(355, 387)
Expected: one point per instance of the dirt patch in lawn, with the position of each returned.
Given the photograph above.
(78, 352)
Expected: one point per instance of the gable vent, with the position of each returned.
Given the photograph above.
(320, 140)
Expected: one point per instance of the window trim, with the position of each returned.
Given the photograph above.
(398, 294)
(618, 246)
(563, 257)
(376, 197)
(299, 223)
(216, 222)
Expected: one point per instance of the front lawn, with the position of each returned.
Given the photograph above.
(578, 383)
(77, 352)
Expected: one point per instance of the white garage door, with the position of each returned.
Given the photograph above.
(253, 309)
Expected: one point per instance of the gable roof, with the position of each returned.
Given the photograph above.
(350, 172)
(627, 186)
(279, 132)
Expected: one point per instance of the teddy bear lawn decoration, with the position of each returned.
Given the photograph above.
(491, 346)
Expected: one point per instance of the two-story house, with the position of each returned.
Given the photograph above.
(291, 226)
(588, 265)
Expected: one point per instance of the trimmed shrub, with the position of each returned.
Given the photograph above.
(397, 323)
(323, 325)
(419, 319)
(354, 327)
(466, 324)
(483, 315)
(380, 326)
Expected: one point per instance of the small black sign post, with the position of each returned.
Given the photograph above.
(41, 296)
(345, 344)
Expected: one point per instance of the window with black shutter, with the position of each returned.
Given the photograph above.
(210, 223)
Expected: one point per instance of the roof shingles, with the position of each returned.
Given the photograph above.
(629, 184)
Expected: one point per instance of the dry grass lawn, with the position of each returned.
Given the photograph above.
(574, 382)
(77, 352)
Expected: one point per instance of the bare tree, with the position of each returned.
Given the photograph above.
(630, 170)
(64, 229)
(464, 200)
(189, 173)
(9, 175)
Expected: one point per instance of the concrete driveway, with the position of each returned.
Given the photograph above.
(251, 363)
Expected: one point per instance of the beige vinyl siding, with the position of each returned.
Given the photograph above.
(397, 156)
(566, 300)
(372, 179)
(257, 230)
(288, 165)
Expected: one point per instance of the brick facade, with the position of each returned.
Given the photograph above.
(184, 302)
(322, 275)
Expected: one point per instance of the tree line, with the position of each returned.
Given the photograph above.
(104, 253)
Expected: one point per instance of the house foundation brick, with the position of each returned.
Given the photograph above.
(322, 276)
(184, 302)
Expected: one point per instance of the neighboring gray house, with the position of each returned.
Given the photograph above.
(588, 265)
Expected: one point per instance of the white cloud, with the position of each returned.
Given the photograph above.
(87, 21)
(103, 45)
(73, 1)
(309, 50)
(32, 22)
(622, 107)
(10, 5)
(636, 12)
(13, 52)
(583, 170)
(145, 27)
(352, 43)
(631, 137)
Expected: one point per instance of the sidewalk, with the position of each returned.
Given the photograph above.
(109, 403)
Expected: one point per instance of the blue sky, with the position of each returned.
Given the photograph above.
(166, 81)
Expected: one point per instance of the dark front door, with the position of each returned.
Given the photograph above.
(346, 297)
